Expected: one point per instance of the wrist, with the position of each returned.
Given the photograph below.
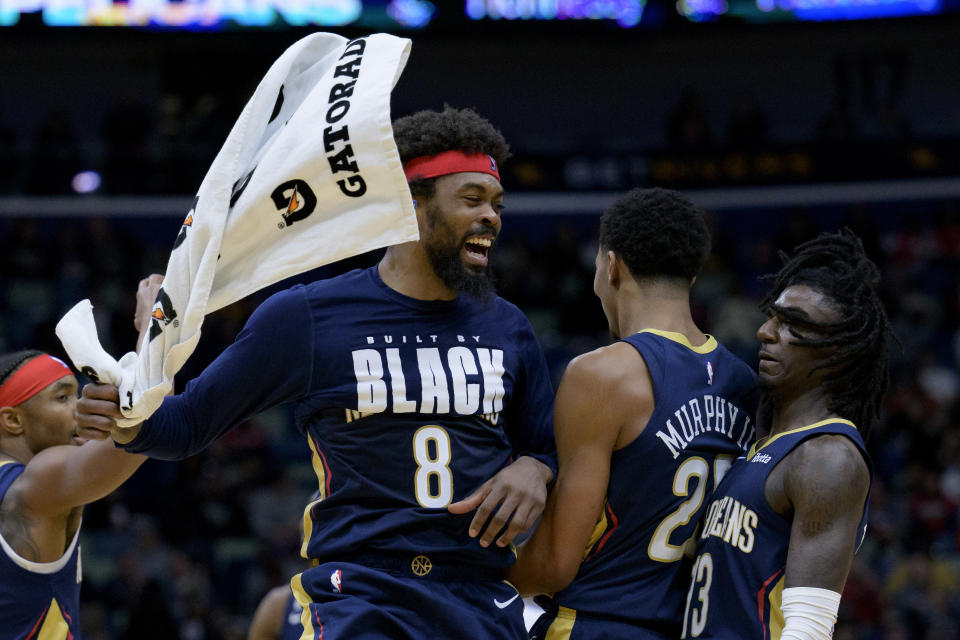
(125, 435)
(545, 472)
(809, 613)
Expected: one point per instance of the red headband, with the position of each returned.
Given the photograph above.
(32, 378)
(450, 162)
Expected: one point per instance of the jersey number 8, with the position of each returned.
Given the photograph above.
(433, 481)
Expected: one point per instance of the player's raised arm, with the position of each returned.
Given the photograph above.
(58, 478)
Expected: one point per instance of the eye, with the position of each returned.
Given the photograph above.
(473, 199)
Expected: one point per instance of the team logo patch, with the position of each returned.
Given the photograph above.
(336, 579)
(709, 373)
(421, 565)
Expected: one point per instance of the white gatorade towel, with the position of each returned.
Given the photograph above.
(308, 175)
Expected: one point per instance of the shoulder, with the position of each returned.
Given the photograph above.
(283, 301)
(736, 364)
(617, 370)
(346, 284)
(506, 310)
(829, 466)
(269, 617)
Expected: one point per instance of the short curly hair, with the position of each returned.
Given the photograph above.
(427, 133)
(657, 233)
(10, 362)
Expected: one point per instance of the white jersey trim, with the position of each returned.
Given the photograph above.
(44, 568)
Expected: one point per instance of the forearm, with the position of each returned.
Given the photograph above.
(171, 434)
(64, 477)
(270, 363)
(541, 567)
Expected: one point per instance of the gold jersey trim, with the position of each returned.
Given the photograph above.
(764, 442)
(679, 338)
(562, 625)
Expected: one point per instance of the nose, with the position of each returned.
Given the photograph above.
(490, 217)
(767, 333)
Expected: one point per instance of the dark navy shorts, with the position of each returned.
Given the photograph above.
(347, 600)
(561, 623)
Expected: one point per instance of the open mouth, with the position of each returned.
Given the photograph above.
(477, 250)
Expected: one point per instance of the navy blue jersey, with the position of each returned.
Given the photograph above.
(292, 626)
(738, 576)
(406, 406)
(37, 599)
(635, 567)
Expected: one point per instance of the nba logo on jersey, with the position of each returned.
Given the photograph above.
(335, 580)
(709, 373)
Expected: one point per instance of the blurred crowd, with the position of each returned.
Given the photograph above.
(185, 550)
(162, 144)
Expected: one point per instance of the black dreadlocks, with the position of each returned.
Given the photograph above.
(836, 265)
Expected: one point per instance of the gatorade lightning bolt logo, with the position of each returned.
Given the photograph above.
(186, 224)
(294, 200)
(163, 314)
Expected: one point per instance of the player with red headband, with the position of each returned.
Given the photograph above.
(47, 473)
(424, 398)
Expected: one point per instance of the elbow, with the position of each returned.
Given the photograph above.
(542, 576)
(559, 576)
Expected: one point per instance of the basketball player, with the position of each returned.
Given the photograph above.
(645, 427)
(277, 617)
(778, 539)
(47, 474)
(425, 401)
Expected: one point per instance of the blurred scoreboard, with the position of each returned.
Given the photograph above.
(400, 15)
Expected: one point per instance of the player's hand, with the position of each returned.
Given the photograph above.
(146, 297)
(97, 410)
(513, 499)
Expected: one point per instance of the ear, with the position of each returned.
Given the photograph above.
(11, 421)
(614, 269)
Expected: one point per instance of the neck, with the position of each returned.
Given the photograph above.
(660, 307)
(406, 269)
(804, 409)
(15, 449)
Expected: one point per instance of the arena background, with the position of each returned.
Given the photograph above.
(778, 124)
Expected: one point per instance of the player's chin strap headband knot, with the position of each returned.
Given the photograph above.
(30, 379)
(448, 162)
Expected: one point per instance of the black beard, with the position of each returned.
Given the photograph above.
(447, 264)
(449, 267)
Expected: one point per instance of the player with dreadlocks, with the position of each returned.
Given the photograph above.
(425, 401)
(778, 540)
